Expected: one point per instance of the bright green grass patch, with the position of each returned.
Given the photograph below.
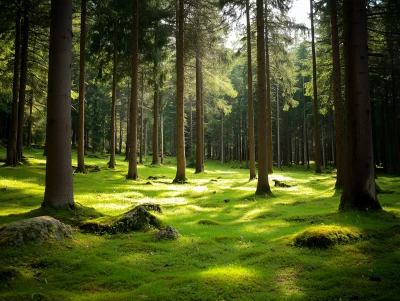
(233, 245)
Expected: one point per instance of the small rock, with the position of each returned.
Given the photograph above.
(226, 201)
(167, 233)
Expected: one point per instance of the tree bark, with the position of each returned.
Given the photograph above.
(111, 163)
(11, 159)
(317, 155)
(59, 187)
(252, 152)
(81, 114)
(199, 119)
(359, 189)
(132, 171)
(156, 113)
(278, 134)
(263, 184)
(180, 118)
(22, 88)
(222, 138)
(141, 120)
(29, 138)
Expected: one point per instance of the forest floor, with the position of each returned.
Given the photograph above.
(233, 245)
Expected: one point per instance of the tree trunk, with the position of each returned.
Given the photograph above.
(59, 188)
(180, 118)
(262, 184)
(156, 113)
(81, 114)
(199, 119)
(132, 171)
(337, 97)
(141, 120)
(22, 88)
(29, 138)
(252, 152)
(11, 159)
(359, 189)
(278, 134)
(305, 152)
(268, 99)
(111, 164)
(162, 138)
(222, 138)
(317, 155)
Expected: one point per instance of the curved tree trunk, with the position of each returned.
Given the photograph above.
(132, 171)
(337, 97)
(317, 155)
(22, 88)
(11, 159)
(252, 146)
(180, 127)
(111, 164)
(359, 191)
(262, 185)
(81, 114)
(59, 188)
(156, 113)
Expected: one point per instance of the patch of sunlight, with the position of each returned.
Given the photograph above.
(239, 206)
(200, 209)
(251, 214)
(286, 278)
(225, 172)
(111, 206)
(279, 178)
(243, 188)
(258, 228)
(200, 189)
(163, 201)
(229, 274)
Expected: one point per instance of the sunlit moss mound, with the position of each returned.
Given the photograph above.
(323, 237)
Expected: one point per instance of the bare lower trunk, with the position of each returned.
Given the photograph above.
(278, 134)
(262, 184)
(59, 187)
(111, 164)
(155, 160)
(162, 138)
(132, 171)
(141, 120)
(199, 119)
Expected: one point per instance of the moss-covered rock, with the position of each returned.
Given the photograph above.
(167, 233)
(37, 229)
(323, 237)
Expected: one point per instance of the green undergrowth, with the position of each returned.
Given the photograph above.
(233, 245)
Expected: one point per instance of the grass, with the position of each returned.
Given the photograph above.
(233, 245)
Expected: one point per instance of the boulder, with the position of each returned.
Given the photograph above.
(167, 233)
(37, 229)
(138, 219)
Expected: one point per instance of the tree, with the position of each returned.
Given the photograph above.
(359, 191)
(132, 171)
(59, 187)
(12, 158)
(81, 114)
(263, 184)
(180, 118)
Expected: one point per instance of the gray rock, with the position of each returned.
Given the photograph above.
(138, 219)
(167, 233)
(37, 229)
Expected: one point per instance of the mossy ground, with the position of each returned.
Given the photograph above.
(233, 245)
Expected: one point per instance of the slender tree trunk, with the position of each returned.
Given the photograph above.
(29, 138)
(180, 118)
(262, 184)
(12, 159)
(121, 138)
(269, 107)
(199, 119)
(359, 189)
(162, 138)
(305, 152)
(141, 120)
(278, 134)
(145, 140)
(81, 114)
(59, 188)
(111, 164)
(22, 88)
(132, 171)
(317, 156)
(222, 138)
(337, 97)
(252, 152)
(156, 113)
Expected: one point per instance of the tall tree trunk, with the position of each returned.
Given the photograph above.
(199, 119)
(222, 138)
(22, 88)
(317, 155)
(121, 138)
(156, 113)
(29, 138)
(162, 137)
(337, 97)
(59, 188)
(305, 152)
(132, 171)
(12, 159)
(111, 164)
(180, 118)
(141, 120)
(252, 146)
(81, 114)
(268, 103)
(278, 134)
(262, 184)
(359, 189)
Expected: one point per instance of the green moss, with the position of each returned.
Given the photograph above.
(323, 237)
(207, 222)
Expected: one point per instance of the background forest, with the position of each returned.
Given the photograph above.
(102, 101)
